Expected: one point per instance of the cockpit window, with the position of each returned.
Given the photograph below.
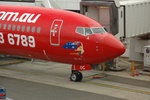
(84, 30)
(88, 31)
(98, 30)
(80, 30)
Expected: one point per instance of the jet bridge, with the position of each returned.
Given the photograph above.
(129, 20)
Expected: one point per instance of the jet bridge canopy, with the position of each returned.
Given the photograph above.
(129, 18)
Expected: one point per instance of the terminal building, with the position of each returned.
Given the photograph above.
(73, 5)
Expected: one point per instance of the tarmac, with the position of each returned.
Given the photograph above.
(111, 84)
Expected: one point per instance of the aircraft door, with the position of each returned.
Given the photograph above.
(55, 32)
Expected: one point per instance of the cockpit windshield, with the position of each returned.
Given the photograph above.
(88, 31)
(93, 30)
(98, 30)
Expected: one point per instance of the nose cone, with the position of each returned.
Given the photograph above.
(112, 47)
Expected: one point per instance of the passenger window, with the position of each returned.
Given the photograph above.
(9, 27)
(18, 28)
(28, 29)
(88, 31)
(80, 30)
(4, 27)
(23, 28)
(38, 30)
(13, 27)
(33, 29)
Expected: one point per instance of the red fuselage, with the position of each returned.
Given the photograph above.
(55, 35)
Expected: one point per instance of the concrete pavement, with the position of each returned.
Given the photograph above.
(112, 84)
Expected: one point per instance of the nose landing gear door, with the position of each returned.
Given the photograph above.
(55, 32)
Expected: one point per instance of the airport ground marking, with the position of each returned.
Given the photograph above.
(119, 88)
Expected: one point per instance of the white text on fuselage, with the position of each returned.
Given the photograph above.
(17, 40)
(17, 17)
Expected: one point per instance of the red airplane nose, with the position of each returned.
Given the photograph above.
(112, 47)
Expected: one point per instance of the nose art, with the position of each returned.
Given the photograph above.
(112, 47)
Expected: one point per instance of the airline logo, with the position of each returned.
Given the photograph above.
(17, 17)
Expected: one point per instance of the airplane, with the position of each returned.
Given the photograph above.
(56, 35)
